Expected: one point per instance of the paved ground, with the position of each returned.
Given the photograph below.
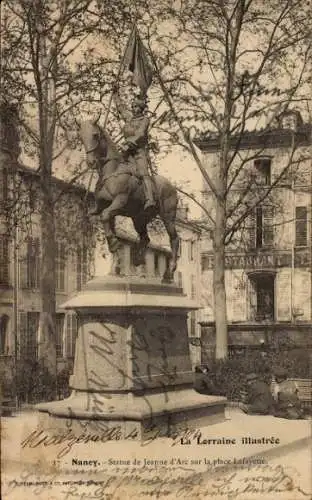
(192, 468)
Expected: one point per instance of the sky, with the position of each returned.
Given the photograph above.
(184, 172)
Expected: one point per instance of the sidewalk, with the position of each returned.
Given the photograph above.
(278, 469)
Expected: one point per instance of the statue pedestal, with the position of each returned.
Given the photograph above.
(132, 372)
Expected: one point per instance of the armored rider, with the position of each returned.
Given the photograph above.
(135, 132)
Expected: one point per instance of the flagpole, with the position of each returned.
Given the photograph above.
(118, 74)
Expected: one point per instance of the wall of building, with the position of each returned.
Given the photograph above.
(289, 265)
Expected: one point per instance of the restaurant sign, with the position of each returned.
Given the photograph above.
(263, 260)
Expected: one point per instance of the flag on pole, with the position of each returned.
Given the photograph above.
(136, 61)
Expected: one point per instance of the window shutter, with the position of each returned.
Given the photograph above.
(32, 335)
(253, 300)
(268, 229)
(71, 330)
(60, 266)
(252, 229)
(23, 265)
(33, 262)
(59, 324)
(259, 227)
(301, 226)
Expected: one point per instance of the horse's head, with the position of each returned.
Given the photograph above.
(91, 136)
(97, 143)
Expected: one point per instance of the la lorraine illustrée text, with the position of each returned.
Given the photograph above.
(247, 440)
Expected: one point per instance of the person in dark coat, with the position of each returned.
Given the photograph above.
(285, 394)
(257, 398)
(202, 384)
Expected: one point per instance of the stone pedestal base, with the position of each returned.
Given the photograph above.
(137, 418)
(132, 371)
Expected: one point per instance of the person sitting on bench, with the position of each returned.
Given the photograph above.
(285, 395)
(257, 398)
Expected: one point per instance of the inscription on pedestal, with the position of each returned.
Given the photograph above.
(160, 351)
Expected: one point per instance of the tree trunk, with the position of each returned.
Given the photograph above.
(219, 282)
(47, 336)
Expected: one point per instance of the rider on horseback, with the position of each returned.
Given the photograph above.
(135, 132)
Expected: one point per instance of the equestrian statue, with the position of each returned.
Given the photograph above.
(125, 186)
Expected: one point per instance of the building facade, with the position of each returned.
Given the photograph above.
(268, 274)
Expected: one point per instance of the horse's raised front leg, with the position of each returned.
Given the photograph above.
(174, 244)
(108, 219)
(102, 199)
(140, 227)
(114, 244)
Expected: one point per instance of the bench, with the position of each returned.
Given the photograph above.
(304, 386)
(304, 390)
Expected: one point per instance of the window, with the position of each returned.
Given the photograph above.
(33, 263)
(290, 120)
(60, 262)
(264, 226)
(82, 266)
(192, 324)
(59, 325)
(4, 321)
(29, 323)
(191, 247)
(207, 260)
(263, 171)
(262, 297)
(71, 334)
(4, 260)
(301, 226)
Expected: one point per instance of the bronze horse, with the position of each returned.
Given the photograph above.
(119, 191)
